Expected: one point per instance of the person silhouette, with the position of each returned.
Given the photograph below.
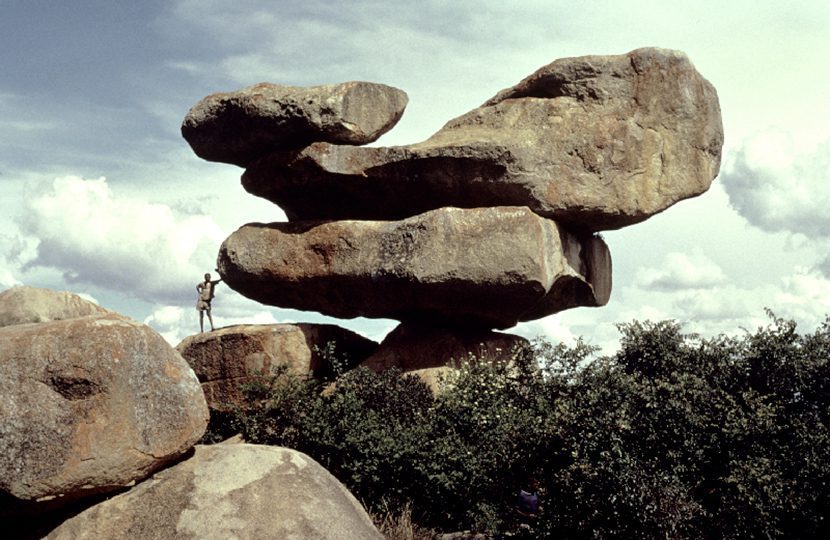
(206, 290)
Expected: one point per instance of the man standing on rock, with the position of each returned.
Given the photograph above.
(206, 293)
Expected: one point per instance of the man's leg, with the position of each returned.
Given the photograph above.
(201, 320)
(210, 318)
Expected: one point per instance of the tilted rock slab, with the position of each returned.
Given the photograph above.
(91, 404)
(489, 267)
(227, 358)
(594, 142)
(239, 127)
(238, 491)
(24, 305)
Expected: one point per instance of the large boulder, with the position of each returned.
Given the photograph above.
(91, 404)
(236, 491)
(227, 358)
(595, 142)
(240, 127)
(489, 267)
(23, 305)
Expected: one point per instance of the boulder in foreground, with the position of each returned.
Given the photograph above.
(225, 491)
(91, 404)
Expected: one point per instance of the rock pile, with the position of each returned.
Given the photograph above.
(490, 221)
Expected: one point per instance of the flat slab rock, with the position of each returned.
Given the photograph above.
(240, 127)
(239, 491)
(594, 142)
(24, 305)
(227, 358)
(490, 267)
(90, 404)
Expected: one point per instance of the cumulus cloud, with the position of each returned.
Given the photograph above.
(681, 271)
(92, 236)
(804, 297)
(777, 186)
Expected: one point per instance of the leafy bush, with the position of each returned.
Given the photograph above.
(674, 436)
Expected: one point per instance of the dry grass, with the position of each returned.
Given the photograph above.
(401, 527)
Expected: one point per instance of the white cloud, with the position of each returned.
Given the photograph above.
(778, 186)
(144, 250)
(681, 271)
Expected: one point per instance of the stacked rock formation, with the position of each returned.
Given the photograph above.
(489, 222)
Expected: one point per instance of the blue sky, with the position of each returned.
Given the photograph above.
(100, 195)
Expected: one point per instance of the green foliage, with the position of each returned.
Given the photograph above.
(672, 437)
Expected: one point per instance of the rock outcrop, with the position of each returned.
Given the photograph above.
(240, 127)
(90, 404)
(594, 142)
(229, 491)
(229, 357)
(490, 267)
(24, 305)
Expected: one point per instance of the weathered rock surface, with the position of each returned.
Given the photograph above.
(595, 142)
(240, 127)
(489, 267)
(23, 305)
(416, 346)
(91, 404)
(236, 491)
(229, 357)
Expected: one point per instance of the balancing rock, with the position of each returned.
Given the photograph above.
(594, 142)
(240, 127)
(490, 267)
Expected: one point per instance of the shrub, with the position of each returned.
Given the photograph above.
(674, 436)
